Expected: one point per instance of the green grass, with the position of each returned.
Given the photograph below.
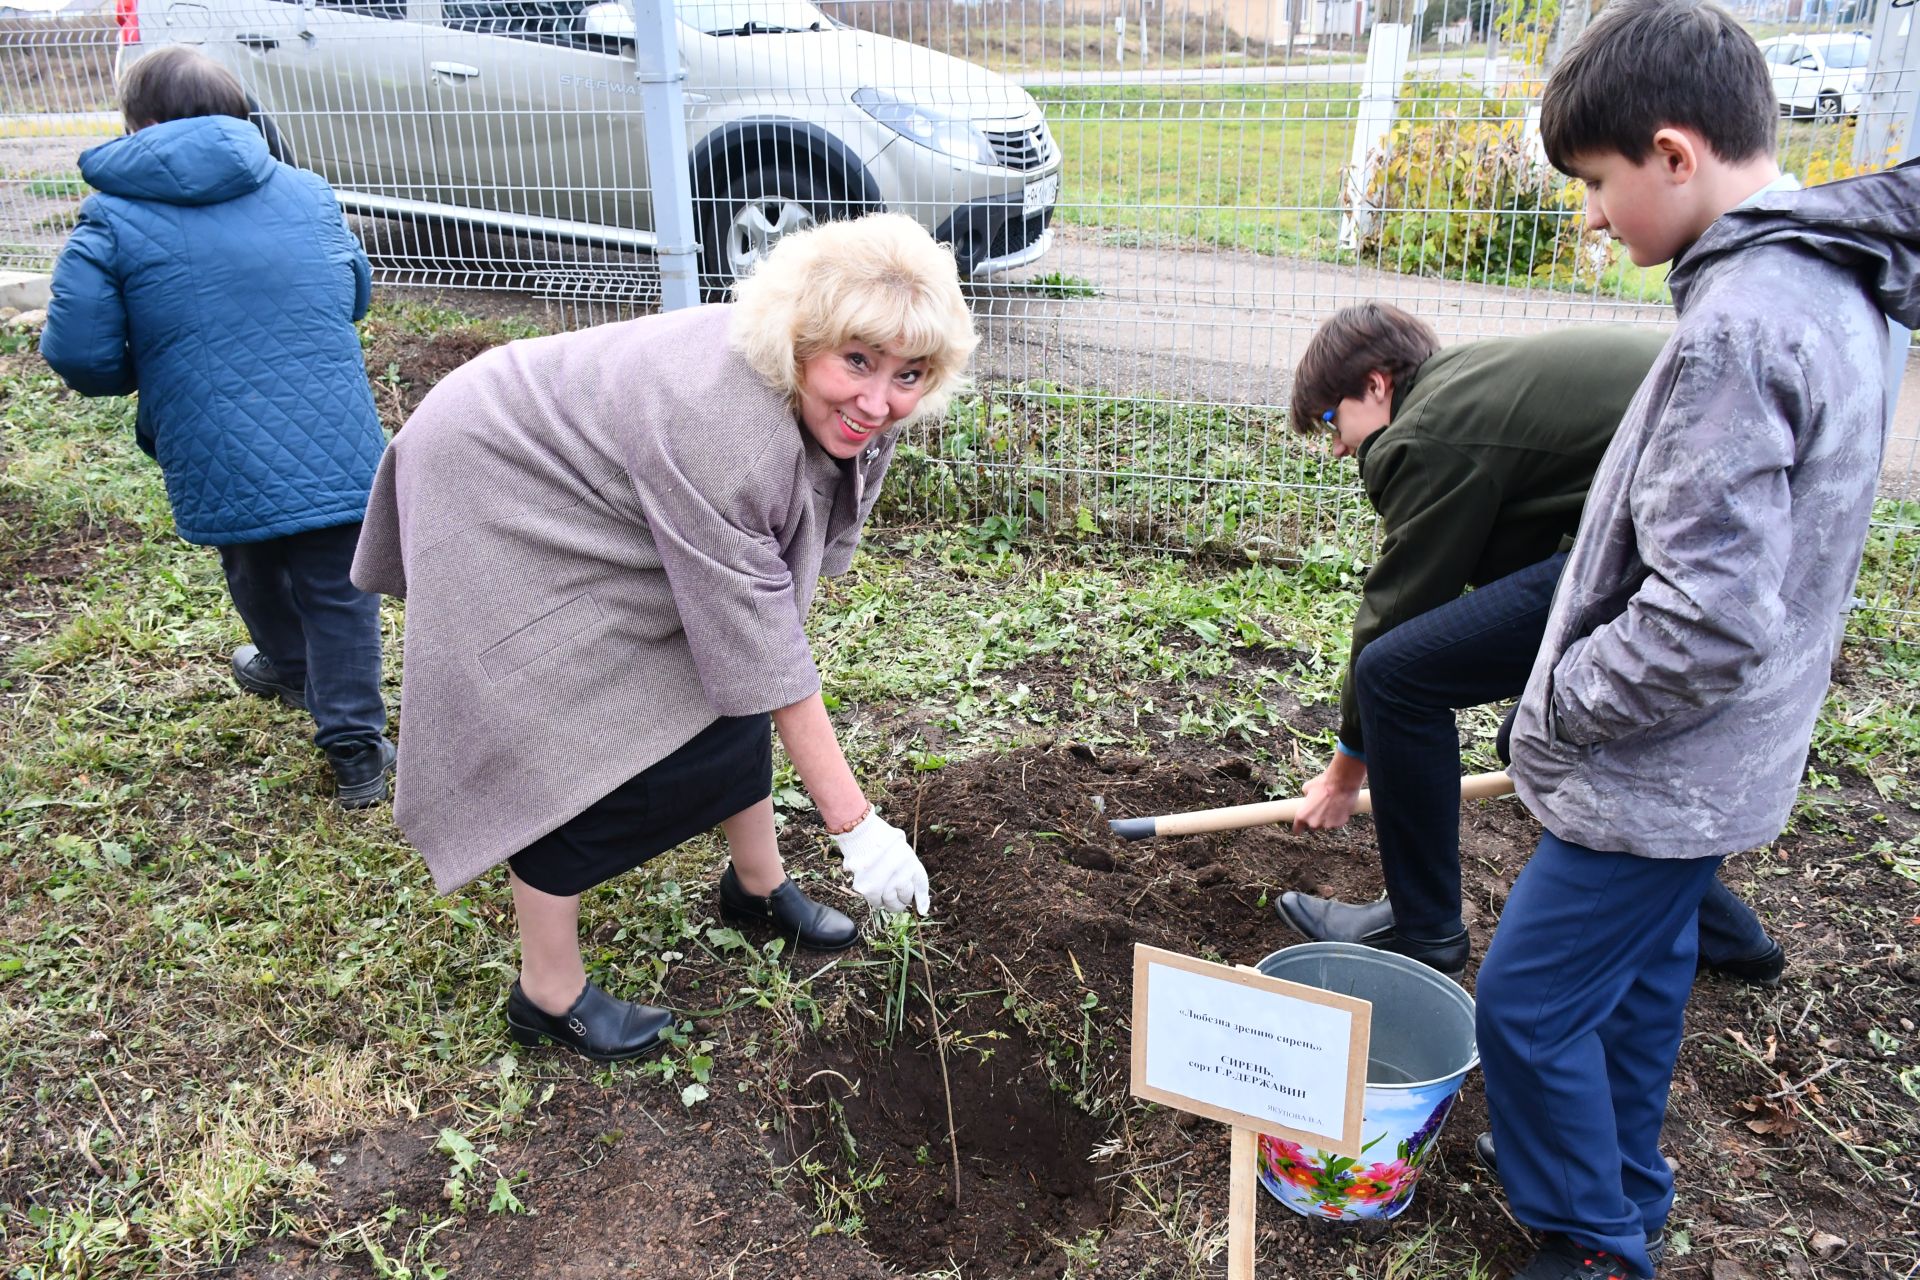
(171, 867)
(1037, 459)
(1237, 166)
(208, 973)
(68, 185)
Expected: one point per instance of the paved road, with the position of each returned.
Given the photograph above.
(1223, 327)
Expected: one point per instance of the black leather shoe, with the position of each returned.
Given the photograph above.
(1371, 925)
(1488, 1159)
(1448, 956)
(253, 672)
(1329, 920)
(360, 772)
(1763, 970)
(810, 924)
(597, 1026)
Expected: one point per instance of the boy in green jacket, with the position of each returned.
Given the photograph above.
(1478, 460)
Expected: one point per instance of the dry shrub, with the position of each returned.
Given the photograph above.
(1460, 190)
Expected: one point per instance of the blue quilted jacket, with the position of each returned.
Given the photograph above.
(222, 286)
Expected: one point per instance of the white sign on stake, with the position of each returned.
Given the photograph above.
(1257, 1053)
(1249, 1050)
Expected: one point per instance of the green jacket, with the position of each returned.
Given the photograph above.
(1484, 467)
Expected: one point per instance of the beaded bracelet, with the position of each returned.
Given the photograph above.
(864, 811)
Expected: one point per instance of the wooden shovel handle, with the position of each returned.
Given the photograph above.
(1477, 786)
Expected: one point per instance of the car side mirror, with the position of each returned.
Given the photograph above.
(608, 20)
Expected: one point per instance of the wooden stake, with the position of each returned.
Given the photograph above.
(1241, 1186)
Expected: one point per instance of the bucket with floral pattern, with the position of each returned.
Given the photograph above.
(1421, 1051)
(1380, 1183)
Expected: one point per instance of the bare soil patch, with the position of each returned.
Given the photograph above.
(1038, 909)
(404, 366)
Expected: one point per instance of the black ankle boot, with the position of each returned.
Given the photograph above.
(360, 772)
(256, 674)
(1763, 970)
(1448, 956)
(810, 924)
(597, 1026)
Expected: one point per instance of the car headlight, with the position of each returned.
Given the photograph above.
(932, 129)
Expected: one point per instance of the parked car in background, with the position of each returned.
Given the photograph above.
(1822, 75)
(524, 116)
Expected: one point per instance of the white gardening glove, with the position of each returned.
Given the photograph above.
(885, 872)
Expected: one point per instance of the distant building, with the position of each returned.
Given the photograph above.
(1284, 21)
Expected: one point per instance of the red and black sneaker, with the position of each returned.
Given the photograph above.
(1563, 1259)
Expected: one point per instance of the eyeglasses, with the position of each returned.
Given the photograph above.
(1326, 420)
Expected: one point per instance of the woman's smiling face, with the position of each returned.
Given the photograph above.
(854, 392)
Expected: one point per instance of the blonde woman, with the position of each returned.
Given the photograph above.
(608, 542)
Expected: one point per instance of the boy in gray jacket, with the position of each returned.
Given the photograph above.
(1690, 642)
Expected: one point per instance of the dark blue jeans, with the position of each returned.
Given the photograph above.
(314, 625)
(1466, 653)
(1579, 1012)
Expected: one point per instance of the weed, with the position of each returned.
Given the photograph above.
(1056, 284)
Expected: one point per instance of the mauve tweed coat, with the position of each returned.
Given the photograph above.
(605, 539)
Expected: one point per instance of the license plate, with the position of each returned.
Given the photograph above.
(1042, 194)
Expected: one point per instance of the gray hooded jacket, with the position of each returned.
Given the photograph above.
(1694, 630)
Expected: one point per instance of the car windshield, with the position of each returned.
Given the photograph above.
(751, 17)
(1843, 54)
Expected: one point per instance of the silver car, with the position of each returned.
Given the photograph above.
(524, 116)
(1824, 74)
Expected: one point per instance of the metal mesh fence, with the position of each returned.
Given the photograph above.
(1155, 202)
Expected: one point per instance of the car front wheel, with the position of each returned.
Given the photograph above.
(745, 222)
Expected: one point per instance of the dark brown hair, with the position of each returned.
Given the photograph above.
(1647, 65)
(1354, 342)
(178, 82)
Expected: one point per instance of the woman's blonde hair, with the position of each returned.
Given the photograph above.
(880, 279)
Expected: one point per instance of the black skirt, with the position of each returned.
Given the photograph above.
(726, 767)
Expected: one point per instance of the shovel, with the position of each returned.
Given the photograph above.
(1476, 786)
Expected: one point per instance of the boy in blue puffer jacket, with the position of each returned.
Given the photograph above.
(222, 286)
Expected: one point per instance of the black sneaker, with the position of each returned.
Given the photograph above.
(253, 672)
(1488, 1158)
(360, 771)
(1563, 1259)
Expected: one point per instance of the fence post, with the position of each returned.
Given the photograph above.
(1885, 133)
(1567, 28)
(1387, 52)
(656, 57)
(1888, 130)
